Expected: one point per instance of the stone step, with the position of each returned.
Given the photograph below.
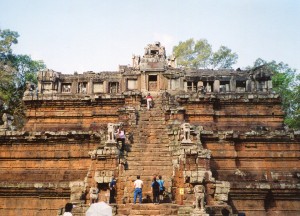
(147, 209)
(149, 157)
(157, 130)
(147, 173)
(152, 118)
(150, 150)
(152, 153)
(150, 169)
(140, 160)
(163, 165)
(146, 142)
(149, 125)
(151, 142)
(154, 139)
(149, 146)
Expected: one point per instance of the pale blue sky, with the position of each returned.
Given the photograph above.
(82, 35)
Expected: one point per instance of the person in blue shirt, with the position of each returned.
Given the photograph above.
(112, 189)
(161, 188)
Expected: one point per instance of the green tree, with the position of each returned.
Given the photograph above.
(223, 58)
(286, 84)
(7, 39)
(15, 71)
(193, 54)
(199, 54)
(7, 72)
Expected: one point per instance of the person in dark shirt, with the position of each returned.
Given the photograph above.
(112, 189)
(155, 191)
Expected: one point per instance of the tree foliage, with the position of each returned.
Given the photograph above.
(7, 39)
(199, 54)
(223, 58)
(286, 84)
(15, 71)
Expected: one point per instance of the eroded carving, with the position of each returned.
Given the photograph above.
(7, 122)
(185, 133)
(111, 133)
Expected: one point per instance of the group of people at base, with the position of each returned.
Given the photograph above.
(157, 187)
(97, 207)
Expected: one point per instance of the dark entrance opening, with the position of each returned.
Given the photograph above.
(152, 83)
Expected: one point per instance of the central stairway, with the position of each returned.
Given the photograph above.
(148, 156)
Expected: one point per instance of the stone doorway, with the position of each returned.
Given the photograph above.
(152, 83)
(113, 87)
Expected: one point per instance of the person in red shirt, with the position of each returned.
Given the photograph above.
(149, 99)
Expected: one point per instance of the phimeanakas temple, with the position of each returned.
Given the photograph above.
(216, 137)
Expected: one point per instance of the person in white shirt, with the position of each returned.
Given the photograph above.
(138, 187)
(68, 209)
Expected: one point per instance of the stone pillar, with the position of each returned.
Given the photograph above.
(74, 87)
(59, 86)
(217, 86)
(199, 84)
(227, 87)
(233, 84)
(89, 87)
(185, 86)
(270, 85)
(264, 86)
(248, 85)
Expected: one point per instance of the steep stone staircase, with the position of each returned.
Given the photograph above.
(148, 155)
